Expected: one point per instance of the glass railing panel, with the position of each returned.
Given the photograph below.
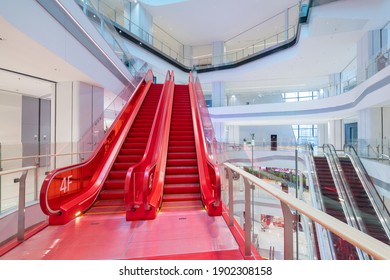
(376, 149)
(101, 17)
(278, 24)
(208, 128)
(293, 14)
(40, 166)
(104, 9)
(281, 23)
(378, 63)
(284, 179)
(161, 35)
(300, 231)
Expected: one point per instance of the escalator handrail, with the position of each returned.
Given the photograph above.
(343, 187)
(116, 129)
(346, 198)
(213, 198)
(323, 235)
(149, 161)
(371, 191)
(161, 151)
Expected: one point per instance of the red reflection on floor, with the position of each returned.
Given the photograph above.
(172, 235)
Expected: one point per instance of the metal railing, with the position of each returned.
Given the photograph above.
(172, 48)
(366, 243)
(21, 208)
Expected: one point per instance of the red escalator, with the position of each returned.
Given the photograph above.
(182, 186)
(183, 177)
(366, 210)
(333, 207)
(111, 198)
(97, 184)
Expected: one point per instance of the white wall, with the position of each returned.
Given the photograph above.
(374, 124)
(315, 111)
(11, 146)
(68, 53)
(10, 130)
(263, 134)
(77, 109)
(10, 118)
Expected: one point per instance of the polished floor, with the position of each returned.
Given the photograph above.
(172, 235)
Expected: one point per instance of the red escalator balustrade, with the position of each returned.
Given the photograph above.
(69, 191)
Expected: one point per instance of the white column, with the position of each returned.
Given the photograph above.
(336, 135)
(10, 131)
(233, 134)
(373, 129)
(218, 95)
(220, 131)
(187, 54)
(335, 84)
(143, 20)
(127, 15)
(322, 134)
(368, 48)
(218, 52)
(287, 24)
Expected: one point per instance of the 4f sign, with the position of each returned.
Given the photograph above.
(65, 185)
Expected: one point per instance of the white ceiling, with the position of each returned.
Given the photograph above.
(33, 69)
(200, 22)
(326, 45)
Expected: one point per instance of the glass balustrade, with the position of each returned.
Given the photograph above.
(278, 231)
(284, 26)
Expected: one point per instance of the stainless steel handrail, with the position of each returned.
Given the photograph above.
(11, 171)
(368, 244)
(43, 156)
(22, 196)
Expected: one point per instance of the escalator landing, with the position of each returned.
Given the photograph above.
(172, 235)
